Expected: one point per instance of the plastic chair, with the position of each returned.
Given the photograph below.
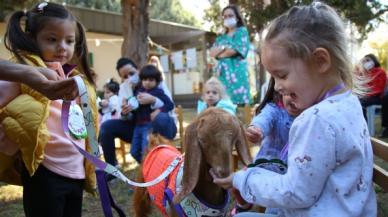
(370, 115)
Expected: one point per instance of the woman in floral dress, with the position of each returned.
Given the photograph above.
(231, 50)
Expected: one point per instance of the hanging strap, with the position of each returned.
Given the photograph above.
(106, 197)
(93, 157)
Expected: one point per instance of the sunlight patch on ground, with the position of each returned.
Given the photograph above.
(10, 193)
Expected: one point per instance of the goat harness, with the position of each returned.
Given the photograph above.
(162, 194)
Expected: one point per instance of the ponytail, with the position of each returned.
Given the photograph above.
(269, 95)
(17, 40)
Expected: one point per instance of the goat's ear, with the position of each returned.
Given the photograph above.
(242, 146)
(193, 157)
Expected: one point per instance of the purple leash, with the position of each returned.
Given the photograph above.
(105, 195)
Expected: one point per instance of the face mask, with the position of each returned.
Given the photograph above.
(369, 65)
(134, 79)
(230, 22)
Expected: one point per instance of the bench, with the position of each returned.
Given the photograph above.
(380, 175)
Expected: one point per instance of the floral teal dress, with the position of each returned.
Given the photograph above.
(233, 71)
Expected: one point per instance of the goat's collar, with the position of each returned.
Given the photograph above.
(192, 205)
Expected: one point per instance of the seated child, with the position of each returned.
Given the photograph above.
(271, 125)
(109, 107)
(214, 94)
(270, 128)
(150, 77)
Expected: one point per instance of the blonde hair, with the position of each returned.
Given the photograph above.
(304, 28)
(214, 82)
(159, 65)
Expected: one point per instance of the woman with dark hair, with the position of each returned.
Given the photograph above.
(162, 122)
(231, 49)
(377, 80)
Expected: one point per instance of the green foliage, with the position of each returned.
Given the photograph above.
(172, 10)
(381, 51)
(257, 14)
(213, 15)
(169, 10)
(107, 5)
(8, 6)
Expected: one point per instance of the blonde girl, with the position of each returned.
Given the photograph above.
(330, 158)
(214, 95)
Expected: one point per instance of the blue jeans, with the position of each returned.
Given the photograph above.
(140, 140)
(123, 129)
(111, 129)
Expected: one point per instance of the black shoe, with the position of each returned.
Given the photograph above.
(384, 133)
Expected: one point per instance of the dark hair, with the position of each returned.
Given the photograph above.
(125, 61)
(17, 40)
(113, 86)
(150, 71)
(374, 59)
(234, 8)
(270, 96)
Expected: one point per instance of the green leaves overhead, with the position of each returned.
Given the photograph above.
(363, 14)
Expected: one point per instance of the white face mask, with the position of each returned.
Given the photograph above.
(369, 65)
(134, 79)
(230, 22)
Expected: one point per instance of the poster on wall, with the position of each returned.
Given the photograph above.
(191, 56)
(164, 63)
(177, 59)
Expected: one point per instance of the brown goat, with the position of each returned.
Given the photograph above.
(209, 142)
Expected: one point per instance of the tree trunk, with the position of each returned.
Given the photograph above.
(135, 30)
(233, 2)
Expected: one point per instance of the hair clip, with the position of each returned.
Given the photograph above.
(316, 4)
(41, 6)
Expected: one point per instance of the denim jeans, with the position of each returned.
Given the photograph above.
(123, 129)
(111, 129)
(140, 140)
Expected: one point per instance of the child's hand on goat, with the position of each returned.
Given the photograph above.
(225, 183)
(254, 134)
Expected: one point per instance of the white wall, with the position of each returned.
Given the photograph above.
(106, 52)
